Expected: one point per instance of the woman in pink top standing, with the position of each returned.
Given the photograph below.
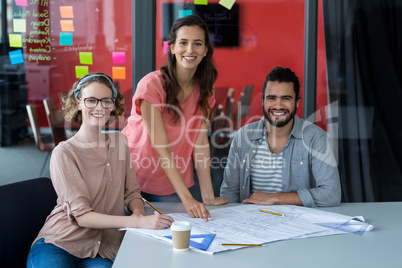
(167, 130)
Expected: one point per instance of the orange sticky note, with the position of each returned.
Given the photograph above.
(66, 12)
(119, 72)
(67, 25)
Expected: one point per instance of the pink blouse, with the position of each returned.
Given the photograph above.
(181, 135)
(85, 181)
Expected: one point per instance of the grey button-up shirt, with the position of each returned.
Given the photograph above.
(310, 168)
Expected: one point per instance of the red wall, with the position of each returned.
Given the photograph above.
(271, 34)
(100, 27)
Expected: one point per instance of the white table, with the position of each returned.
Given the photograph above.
(381, 247)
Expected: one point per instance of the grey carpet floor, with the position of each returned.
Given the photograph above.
(23, 161)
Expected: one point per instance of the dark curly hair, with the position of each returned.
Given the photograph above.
(206, 73)
(70, 108)
(282, 74)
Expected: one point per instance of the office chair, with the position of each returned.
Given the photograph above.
(246, 101)
(55, 120)
(24, 207)
(42, 144)
(238, 111)
(221, 94)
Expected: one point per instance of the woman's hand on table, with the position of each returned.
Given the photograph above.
(196, 209)
(216, 201)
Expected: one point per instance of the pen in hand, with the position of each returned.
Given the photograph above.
(143, 199)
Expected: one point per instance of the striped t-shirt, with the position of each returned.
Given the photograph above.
(266, 169)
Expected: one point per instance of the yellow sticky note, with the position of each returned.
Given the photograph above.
(86, 58)
(200, 2)
(67, 25)
(227, 3)
(119, 72)
(80, 71)
(20, 25)
(15, 40)
(66, 12)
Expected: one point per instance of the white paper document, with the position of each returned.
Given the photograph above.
(246, 224)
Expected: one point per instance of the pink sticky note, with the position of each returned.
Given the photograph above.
(165, 47)
(119, 57)
(21, 3)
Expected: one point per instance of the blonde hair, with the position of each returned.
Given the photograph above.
(70, 107)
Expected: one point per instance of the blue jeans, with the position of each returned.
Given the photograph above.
(43, 255)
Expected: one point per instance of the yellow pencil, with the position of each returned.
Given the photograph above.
(266, 211)
(242, 245)
(152, 206)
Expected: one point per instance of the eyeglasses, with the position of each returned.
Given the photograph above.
(91, 103)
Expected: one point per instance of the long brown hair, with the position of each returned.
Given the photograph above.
(206, 73)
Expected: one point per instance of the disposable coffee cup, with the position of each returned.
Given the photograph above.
(181, 231)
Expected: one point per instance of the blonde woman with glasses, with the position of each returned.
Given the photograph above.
(95, 181)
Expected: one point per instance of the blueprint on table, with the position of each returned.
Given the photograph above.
(245, 224)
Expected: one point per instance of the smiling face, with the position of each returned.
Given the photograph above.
(189, 47)
(280, 103)
(97, 116)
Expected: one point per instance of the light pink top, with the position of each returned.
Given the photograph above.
(85, 181)
(181, 135)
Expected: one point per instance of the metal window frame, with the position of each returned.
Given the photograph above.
(144, 29)
(310, 60)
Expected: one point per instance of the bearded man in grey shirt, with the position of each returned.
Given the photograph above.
(281, 159)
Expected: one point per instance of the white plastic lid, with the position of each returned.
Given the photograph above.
(180, 226)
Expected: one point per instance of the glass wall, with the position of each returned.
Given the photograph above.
(363, 41)
(250, 38)
(45, 47)
(50, 44)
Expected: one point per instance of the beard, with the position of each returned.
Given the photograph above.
(279, 123)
